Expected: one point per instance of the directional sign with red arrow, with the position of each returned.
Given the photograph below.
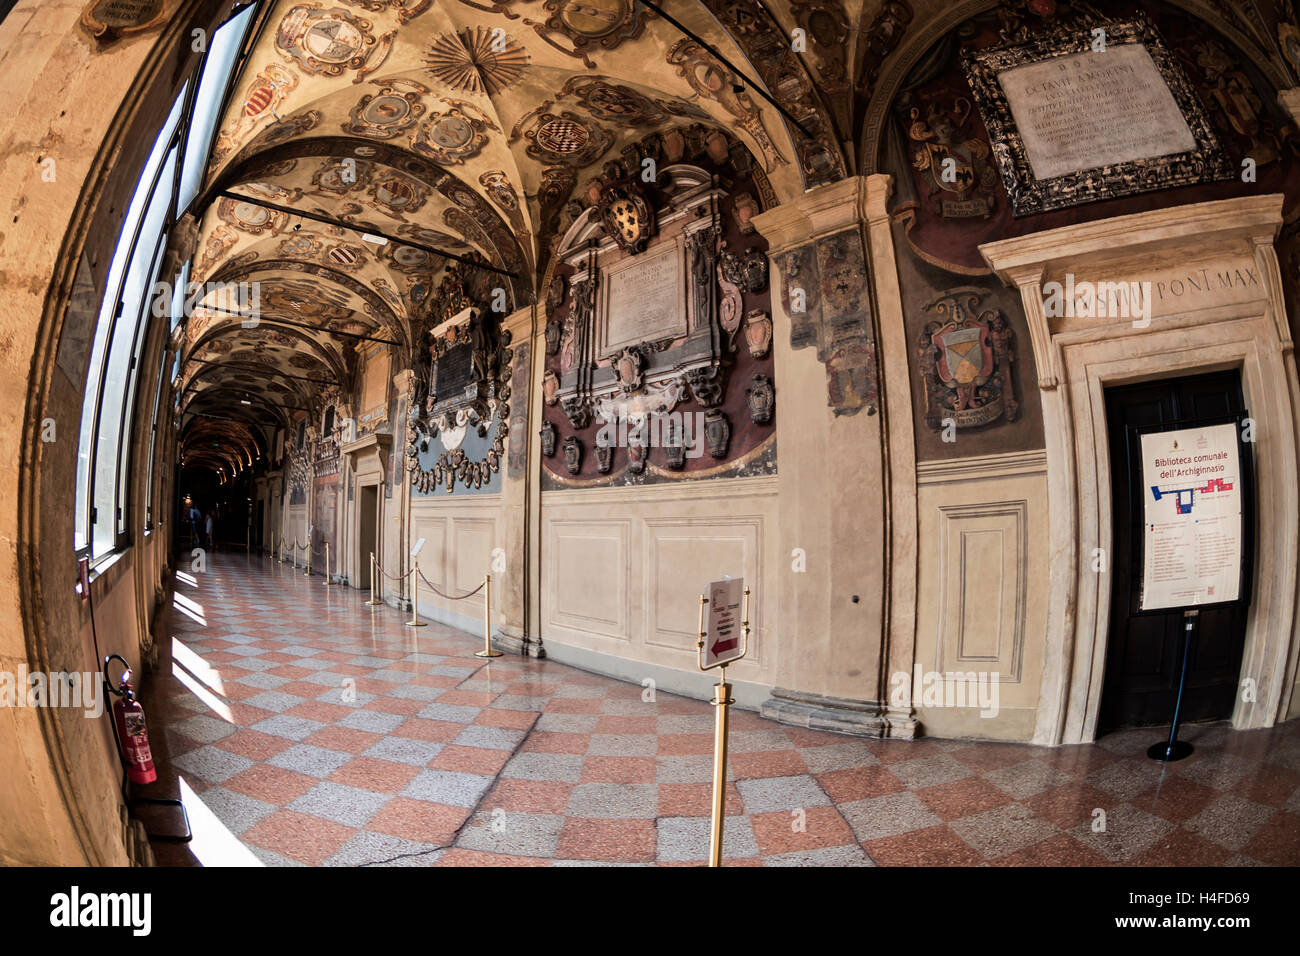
(722, 643)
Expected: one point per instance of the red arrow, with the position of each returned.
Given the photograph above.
(720, 646)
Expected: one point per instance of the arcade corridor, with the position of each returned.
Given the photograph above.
(442, 759)
(918, 376)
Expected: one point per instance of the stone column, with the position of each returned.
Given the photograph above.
(831, 440)
(397, 513)
(516, 630)
(900, 459)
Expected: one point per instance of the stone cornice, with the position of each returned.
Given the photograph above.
(819, 212)
(1251, 218)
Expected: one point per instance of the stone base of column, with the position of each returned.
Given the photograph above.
(514, 641)
(901, 724)
(860, 718)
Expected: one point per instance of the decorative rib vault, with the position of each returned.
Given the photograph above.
(459, 126)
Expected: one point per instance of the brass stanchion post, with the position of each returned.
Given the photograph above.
(372, 600)
(307, 573)
(722, 702)
(488, 650)
(415, 598)
(327, 564)
(724, 642)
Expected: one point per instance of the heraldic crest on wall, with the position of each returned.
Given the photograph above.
(966, 357)
(956, 164)
(461, 382)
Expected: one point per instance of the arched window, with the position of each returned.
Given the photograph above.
(168, 184)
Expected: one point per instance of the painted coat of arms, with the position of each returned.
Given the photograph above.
(966, 357)
(328, 42)
(953, 163)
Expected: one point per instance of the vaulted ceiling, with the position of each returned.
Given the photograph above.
(458, 128)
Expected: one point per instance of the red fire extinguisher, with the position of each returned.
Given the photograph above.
(132, 735)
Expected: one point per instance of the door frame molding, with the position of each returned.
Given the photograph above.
(367, 457)
(1078, 358)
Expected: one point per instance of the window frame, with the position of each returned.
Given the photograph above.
(88, 504)
(130, 396)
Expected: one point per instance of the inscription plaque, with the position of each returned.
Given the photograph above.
(1070, 125)
(1090, 109)
(453, 372)
(645, 299)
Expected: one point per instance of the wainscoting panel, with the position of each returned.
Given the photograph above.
(983, 576)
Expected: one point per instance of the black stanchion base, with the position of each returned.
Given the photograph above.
(1163, 751)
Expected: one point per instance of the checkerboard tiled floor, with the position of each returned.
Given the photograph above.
(323, 732)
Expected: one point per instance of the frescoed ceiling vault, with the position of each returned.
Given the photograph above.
(465, 130)
(460, 130)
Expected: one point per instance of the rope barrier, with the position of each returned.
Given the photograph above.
(393, 577)
(415, 569)
(447, 596)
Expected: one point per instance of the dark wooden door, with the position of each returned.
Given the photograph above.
(1143, 651)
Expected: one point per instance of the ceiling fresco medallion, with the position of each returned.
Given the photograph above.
(451, 136)
(301, 299)
(398, 194)
(565, 138)
(502, 192)
(278, 132)
(431, 237)
(387, 113)
(588, 24)
(273, 192)
(299, 246)
(217, 245)
(261, 98)
(345, 255)
(470, 61)
(409, 260)
(251, 218)
(328, 42)
(341, 176)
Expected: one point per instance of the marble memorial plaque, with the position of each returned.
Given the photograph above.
(1070, 125)
(644, 300)
(1090, 109)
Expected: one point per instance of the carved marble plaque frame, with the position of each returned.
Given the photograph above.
(1028, 195)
